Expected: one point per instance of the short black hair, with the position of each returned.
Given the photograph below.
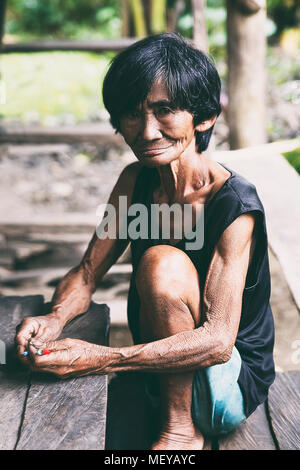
(191, 78)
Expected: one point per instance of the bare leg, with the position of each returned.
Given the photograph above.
(168, 286)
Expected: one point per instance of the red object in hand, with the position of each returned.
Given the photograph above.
(46, 351)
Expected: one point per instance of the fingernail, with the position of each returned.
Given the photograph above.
(25, 353)
(46, 351)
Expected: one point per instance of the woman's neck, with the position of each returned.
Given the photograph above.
(183, 176)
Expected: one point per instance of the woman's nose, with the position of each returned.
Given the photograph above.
(151, 128)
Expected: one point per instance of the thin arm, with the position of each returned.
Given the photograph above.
(211, 343)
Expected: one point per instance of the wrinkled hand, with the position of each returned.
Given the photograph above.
(40, 329)
(69, 358)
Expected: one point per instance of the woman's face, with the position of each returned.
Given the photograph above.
(156, 132)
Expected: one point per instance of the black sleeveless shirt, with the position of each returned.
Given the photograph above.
(255, 338)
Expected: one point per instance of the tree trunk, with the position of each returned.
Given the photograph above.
(246, 50)
(147, 4)
(158, 16)
(2, 19)
(200, 36)
(125, 18)
(138, 18)
(173, 15)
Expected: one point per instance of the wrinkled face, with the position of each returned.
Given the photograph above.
(156, 132)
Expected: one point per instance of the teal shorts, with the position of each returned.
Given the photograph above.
(217, 400)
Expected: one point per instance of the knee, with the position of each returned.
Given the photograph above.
(222, 418)
(226, 417)
(218, 403)
(163, 269)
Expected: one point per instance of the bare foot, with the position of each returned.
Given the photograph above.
(177, 440)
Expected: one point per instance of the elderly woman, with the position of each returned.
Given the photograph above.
(200, 317)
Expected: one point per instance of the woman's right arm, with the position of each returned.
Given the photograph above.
(73, 294)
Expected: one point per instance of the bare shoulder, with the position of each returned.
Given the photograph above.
(126, 181)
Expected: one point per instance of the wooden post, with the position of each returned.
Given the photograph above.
(200, 36)
(246, 50)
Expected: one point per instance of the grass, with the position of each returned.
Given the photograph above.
(43, 85)
(293, 158)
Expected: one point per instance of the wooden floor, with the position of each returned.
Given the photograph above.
(40, 411)
(275, 425)
(132, 421)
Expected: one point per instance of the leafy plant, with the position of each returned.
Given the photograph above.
(293, 158)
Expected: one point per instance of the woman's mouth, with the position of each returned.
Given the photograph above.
(149, 152)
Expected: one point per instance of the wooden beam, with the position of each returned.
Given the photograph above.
(100, 134)
(253, 434)
(14, 376)
(69, 45)
(284, 397)
(69, 414)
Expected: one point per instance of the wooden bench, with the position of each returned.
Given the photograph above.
(132, 421)
(41, 411)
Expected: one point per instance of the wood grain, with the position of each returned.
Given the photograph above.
(69, 414)
(14, 377)
(283, 402)
(253, 434)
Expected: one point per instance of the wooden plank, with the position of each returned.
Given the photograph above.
(70, 45)
(253, 434)
(98, 133)
(283, 402)
(14, 376)
(69, 414)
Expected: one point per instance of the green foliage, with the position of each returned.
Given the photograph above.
(46, 87)
(284, 13)
(57, 18)
(293, 158)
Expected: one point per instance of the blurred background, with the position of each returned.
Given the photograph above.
(59, 157)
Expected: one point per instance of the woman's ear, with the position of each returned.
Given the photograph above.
(205, 125)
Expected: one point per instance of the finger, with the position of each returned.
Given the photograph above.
(33, 352)
(56, 345)
(43, 335)
(26, 331)
(23, 355)
(36, 344)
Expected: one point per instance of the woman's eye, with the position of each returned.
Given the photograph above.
(164, 111)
